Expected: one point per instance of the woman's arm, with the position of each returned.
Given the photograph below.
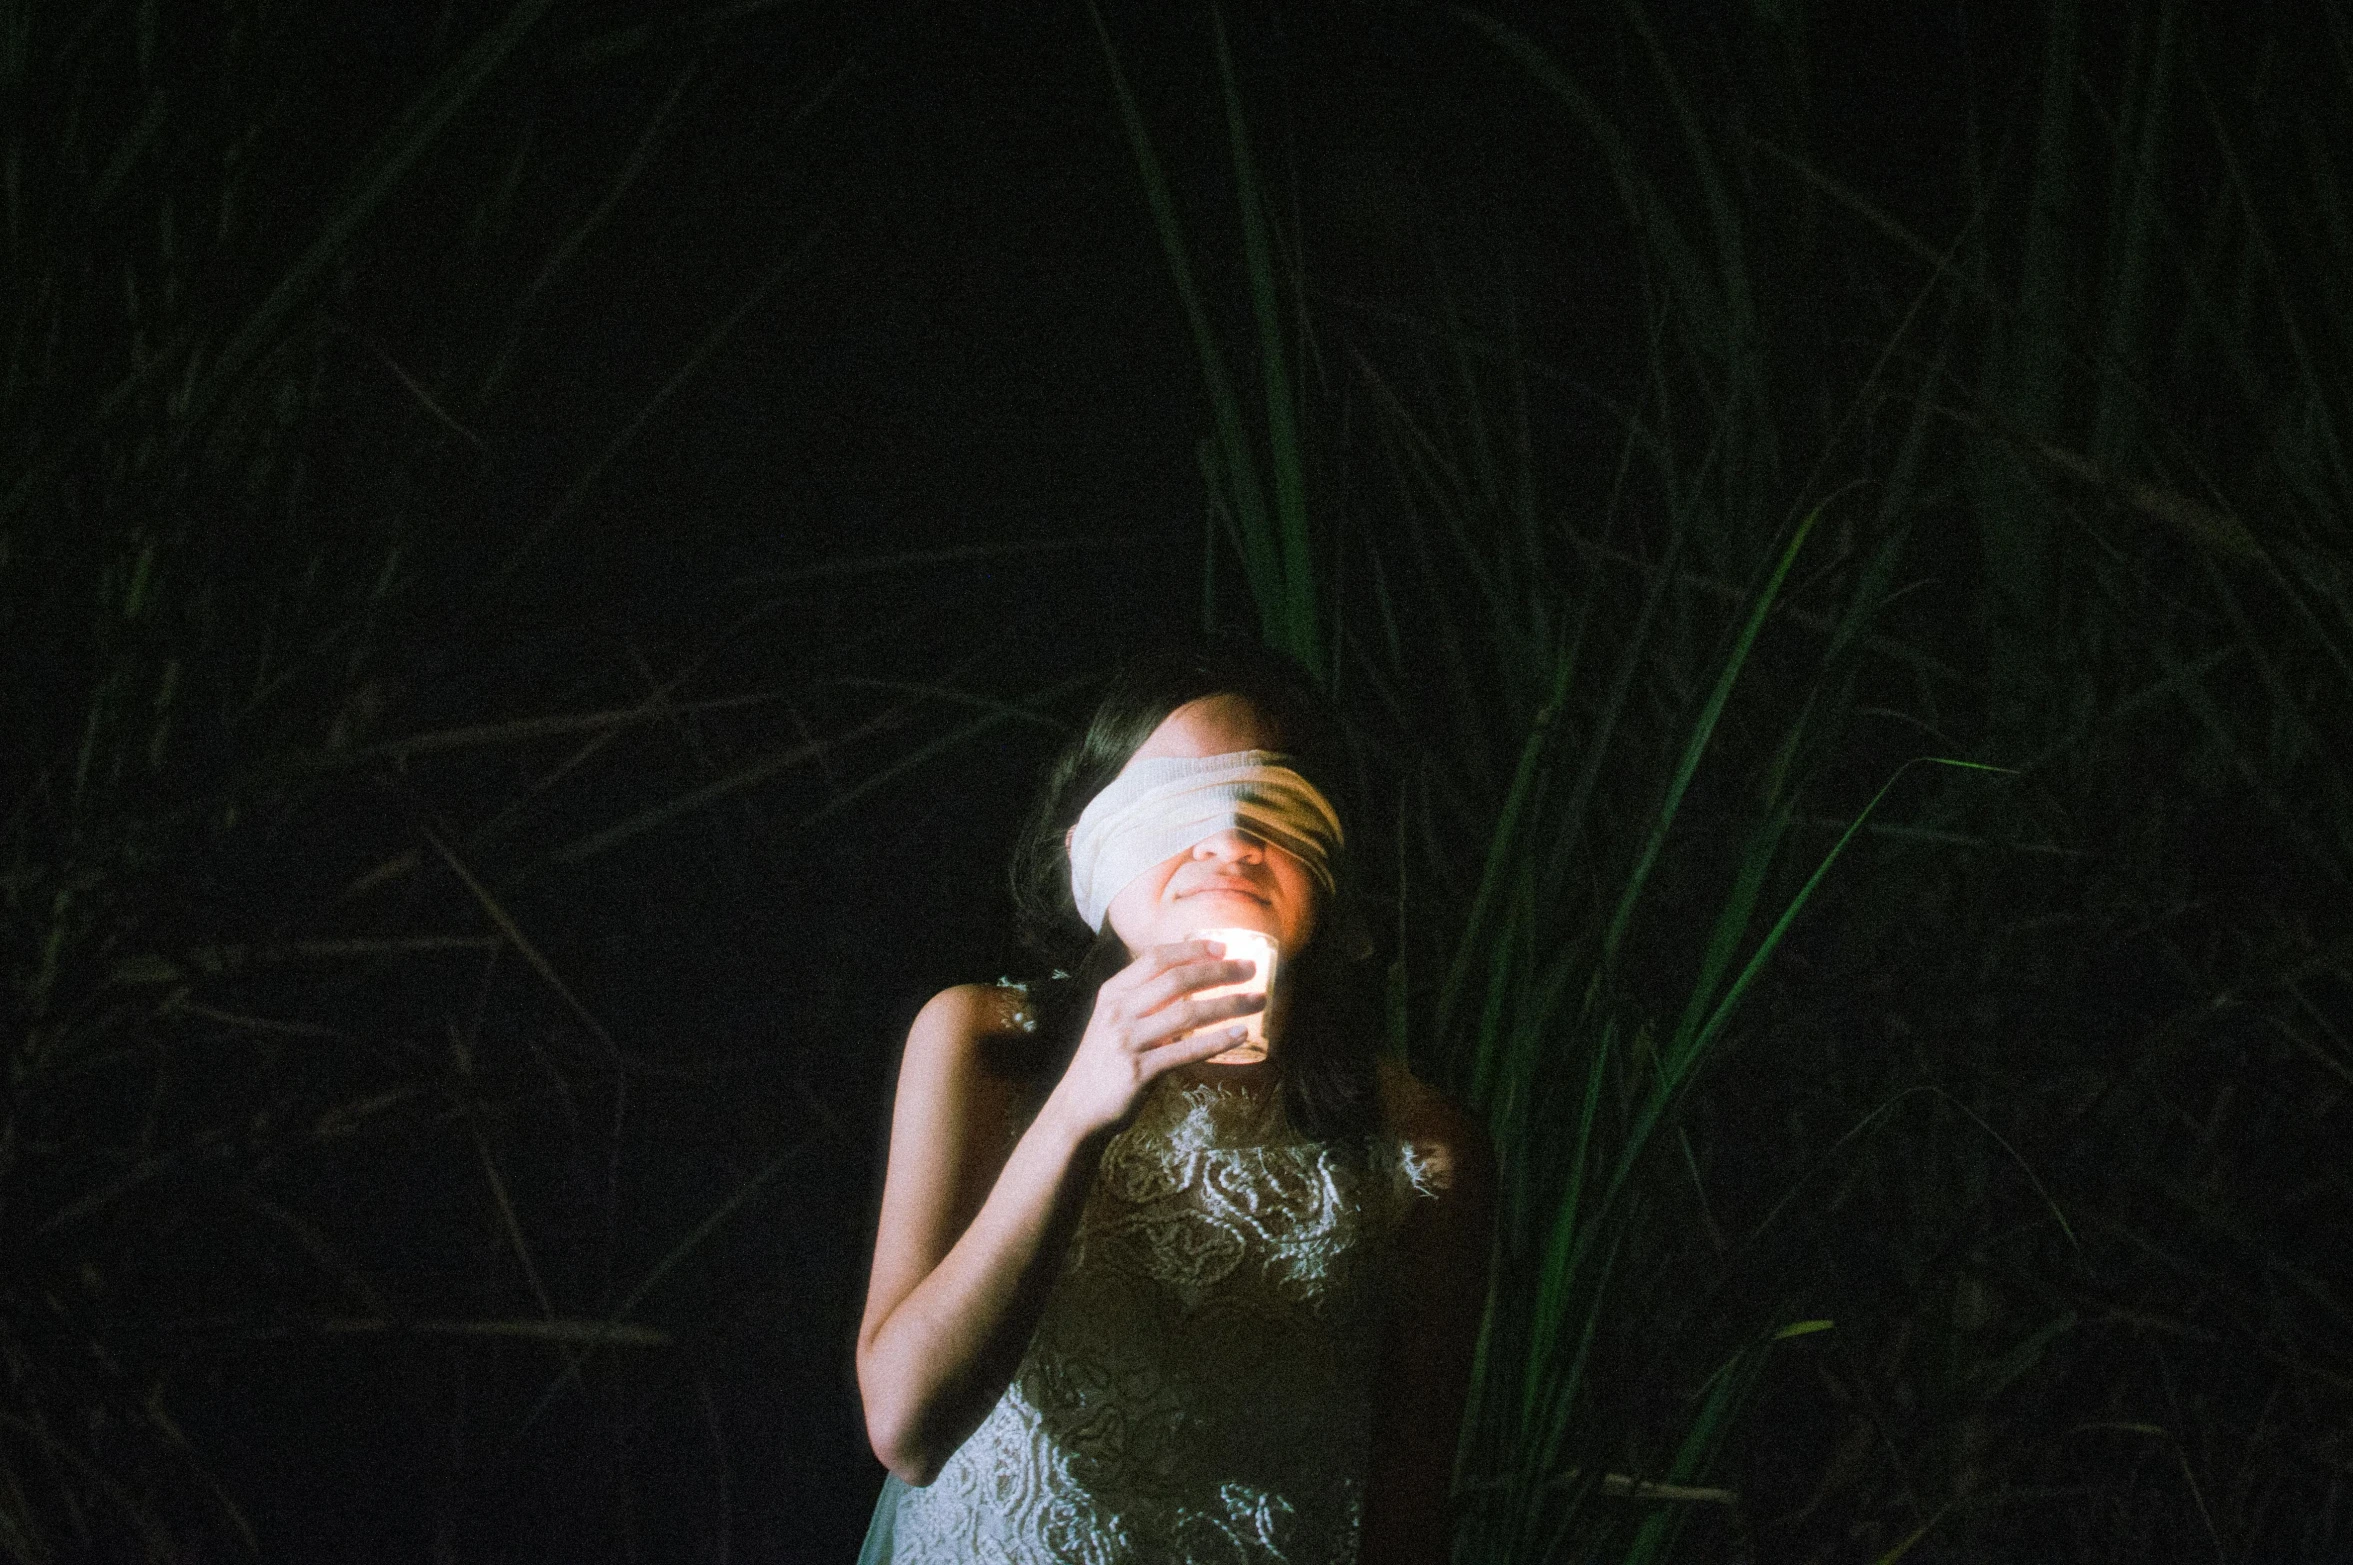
(969, 1240)
(1423, 1377)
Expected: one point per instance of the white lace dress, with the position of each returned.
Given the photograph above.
(1197, 1388)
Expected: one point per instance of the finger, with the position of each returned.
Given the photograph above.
(1198, 974)
(1155, 961)
(1221, 1006)
(1193, 946)
(1198, 1046)
(1180, 952)
(1216, 1041)
(1189, 1014)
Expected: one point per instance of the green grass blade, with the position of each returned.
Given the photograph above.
(1301, 612)
(1261, 562)
(1702, 731)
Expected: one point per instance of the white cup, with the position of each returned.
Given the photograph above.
(1241, 945)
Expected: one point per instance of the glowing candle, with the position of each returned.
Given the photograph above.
(1242, 945)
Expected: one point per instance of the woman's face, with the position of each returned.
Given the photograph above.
(1232, 880)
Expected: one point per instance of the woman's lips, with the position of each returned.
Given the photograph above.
(1229, 888)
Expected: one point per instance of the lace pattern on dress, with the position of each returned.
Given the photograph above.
(1198, 1387)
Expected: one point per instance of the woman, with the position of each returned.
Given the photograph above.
(1131, 1305)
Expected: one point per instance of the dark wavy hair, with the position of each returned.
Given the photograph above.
(1333, 1028)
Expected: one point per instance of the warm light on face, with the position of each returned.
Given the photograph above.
(1278, 894)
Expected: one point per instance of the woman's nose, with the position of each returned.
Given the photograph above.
(1230, 843)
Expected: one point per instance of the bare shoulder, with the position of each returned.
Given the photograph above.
(964, 1022)
(972, 1011)
(1446, 1137)
(956, 1076)
(982, 1007)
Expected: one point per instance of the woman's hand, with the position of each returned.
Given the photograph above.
(1138, 1011)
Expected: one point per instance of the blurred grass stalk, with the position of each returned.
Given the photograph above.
(200, 655)
(136, 403)
(1264, 517)
(2069, 636)
(1542, 668)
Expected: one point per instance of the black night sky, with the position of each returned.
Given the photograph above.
(544, 547)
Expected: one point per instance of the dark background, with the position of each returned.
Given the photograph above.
(827, 356)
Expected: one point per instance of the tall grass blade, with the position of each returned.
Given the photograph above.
(1262, 565)
(379, 173)
(1302, 614)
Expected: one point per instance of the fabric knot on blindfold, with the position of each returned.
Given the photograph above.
(1162, 805)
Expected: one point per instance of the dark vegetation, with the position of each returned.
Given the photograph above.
(1829, 530)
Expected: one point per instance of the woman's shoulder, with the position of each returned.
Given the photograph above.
(982, 1036)
(1409, 1101)
(1443, 1138)
(979, 1009)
